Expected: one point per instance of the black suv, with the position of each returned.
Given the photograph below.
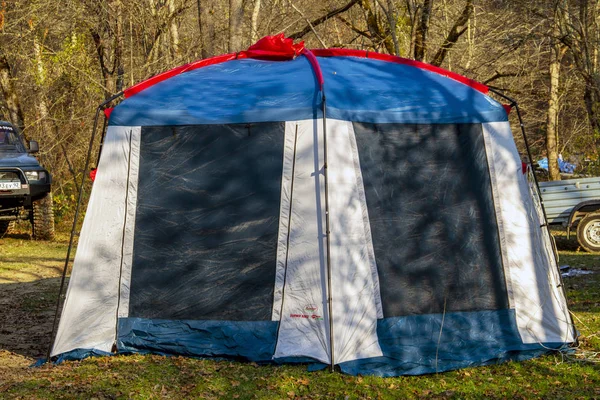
(24, 185)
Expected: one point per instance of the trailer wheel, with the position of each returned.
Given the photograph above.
(43, 218)
(588, 232)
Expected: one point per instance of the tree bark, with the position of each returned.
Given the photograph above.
(421, 32)
(557, 52)
(42, 106)
(206, 11)
(582, 36)
(254, 22)
(110, 57)
(391, 14)
(591, 98)
(11, 99)
(552, 120)
(173, 29)
(236, 16)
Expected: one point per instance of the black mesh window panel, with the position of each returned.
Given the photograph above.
(207, 221)
(432, 216)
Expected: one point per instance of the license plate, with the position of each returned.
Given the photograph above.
(10, 185)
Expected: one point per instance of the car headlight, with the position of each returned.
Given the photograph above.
(35, 175)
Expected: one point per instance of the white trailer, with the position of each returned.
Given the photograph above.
(575, 203)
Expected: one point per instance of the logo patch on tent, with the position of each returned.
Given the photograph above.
(309, 311)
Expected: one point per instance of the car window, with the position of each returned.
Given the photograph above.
(9, 140)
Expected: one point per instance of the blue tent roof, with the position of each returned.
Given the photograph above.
(357, 89)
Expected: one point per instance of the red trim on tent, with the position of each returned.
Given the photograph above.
(135, 89)
(507, 108)
(279, 48)
(108, 111)
(399, 60)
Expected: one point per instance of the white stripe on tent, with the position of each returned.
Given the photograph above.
(127, 261)
(303, 330)
(354, 279)
(532, 277)
(89, 317)
(291, 129)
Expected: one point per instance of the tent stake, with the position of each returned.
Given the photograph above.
(77, 208)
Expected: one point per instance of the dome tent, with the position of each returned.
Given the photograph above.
(332, 206)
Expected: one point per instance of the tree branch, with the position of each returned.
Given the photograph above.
(353, 28)
(312, 28)
(311, 24)
(499, 75)
(454, 34)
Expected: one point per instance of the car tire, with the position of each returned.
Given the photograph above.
(588, 232)
(43, 218)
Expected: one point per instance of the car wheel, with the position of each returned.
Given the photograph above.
(43, 218)
(588, 232)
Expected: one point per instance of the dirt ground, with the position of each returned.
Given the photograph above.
(30, 274)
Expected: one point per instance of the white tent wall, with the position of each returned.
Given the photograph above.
(98, 291)
(305, 274)
(356, 297)
(304, 326)
(532, 276)
(89, 317)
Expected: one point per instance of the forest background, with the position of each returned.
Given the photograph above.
(60, 59)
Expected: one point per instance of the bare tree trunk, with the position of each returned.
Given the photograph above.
(591, 98)
(206, 11)
(582, 36)
(10, 95)
(110, 58)
(422, 29)
(42, 106)
(552, 121)
(236, 16)
(119, 46)
(391, 14)
(49, 128)
(255, 14)
(174, 30)
(200, 30)
(557, 52)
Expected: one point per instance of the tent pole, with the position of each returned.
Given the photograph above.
(64, 272)
(102, 140)
(514, 103)
(327, 228)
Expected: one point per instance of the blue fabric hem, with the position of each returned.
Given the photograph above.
(387, 367)
(411, 345)
(80, 354)
(243, 340)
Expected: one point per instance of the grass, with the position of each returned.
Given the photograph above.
(30, 276)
